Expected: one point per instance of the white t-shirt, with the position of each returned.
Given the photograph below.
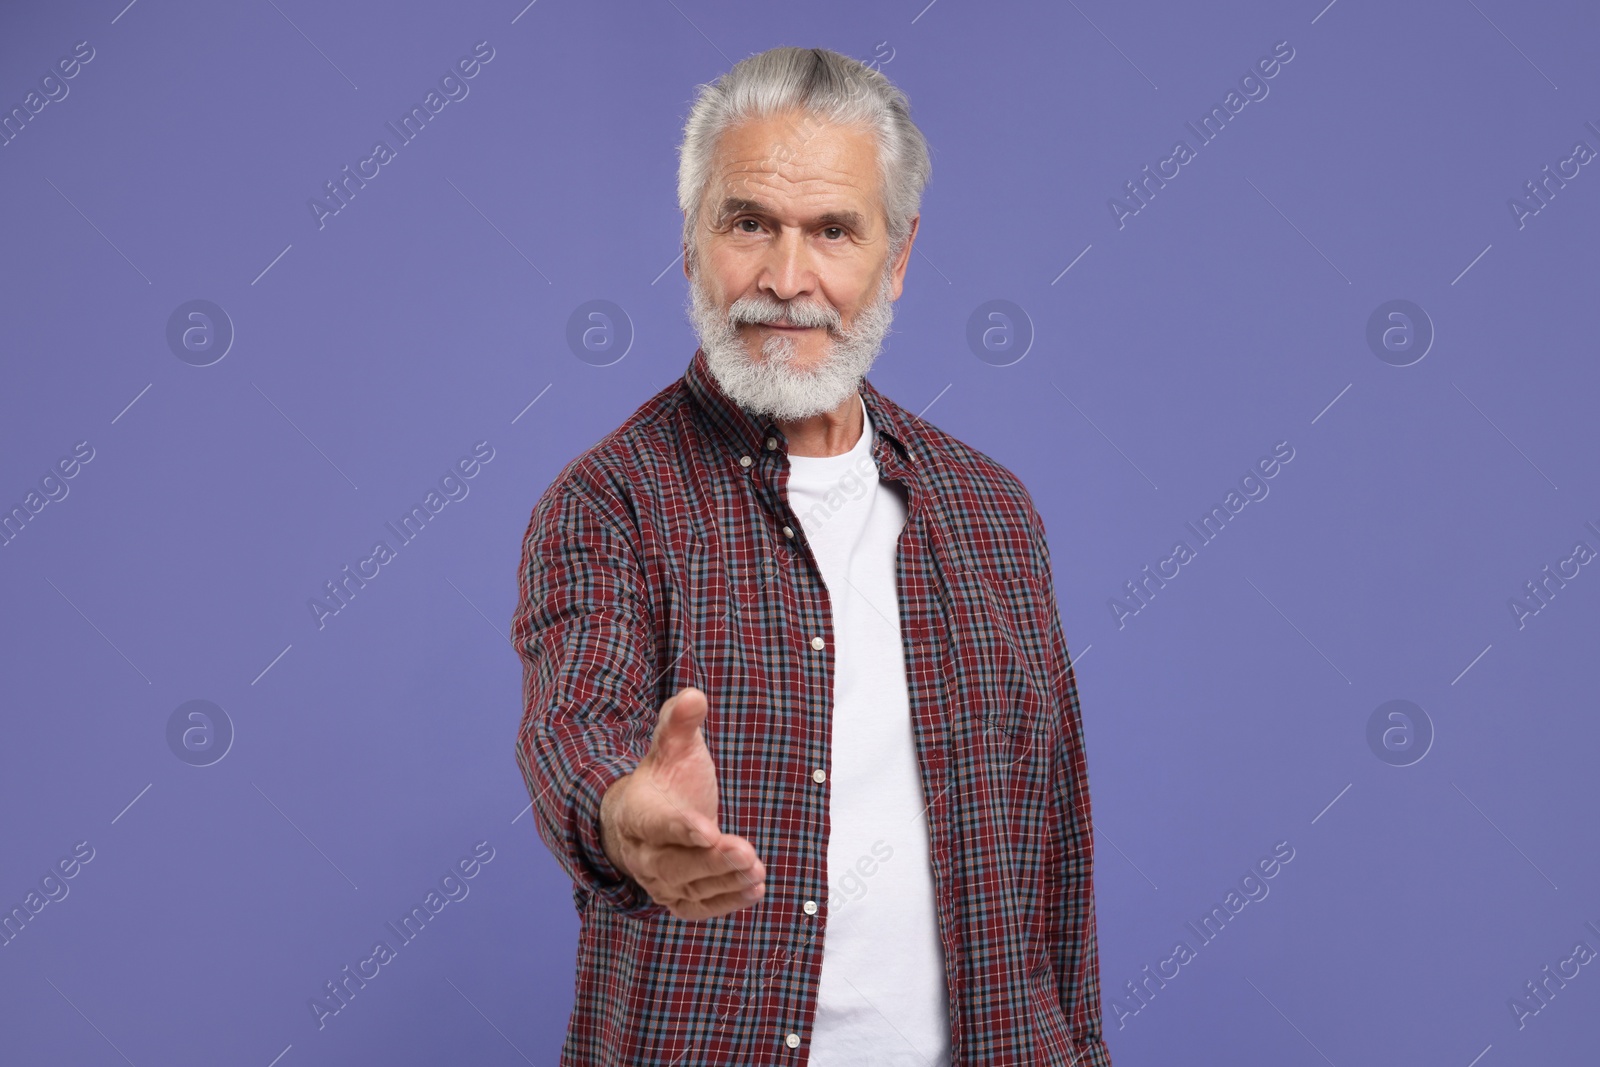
(883, 998)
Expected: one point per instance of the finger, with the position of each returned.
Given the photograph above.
(717, 906)
(677, 866)
(678, 723)
(738, 852)
(703, 889)
(721, 875)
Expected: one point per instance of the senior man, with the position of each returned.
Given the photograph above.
(800, 722)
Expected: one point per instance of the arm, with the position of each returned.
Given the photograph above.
(582, 628)
(1069, 895)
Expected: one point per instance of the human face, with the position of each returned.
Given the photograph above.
(790, 272)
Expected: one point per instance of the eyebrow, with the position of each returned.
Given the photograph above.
(734, 205)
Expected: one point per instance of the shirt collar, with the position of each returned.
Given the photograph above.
(749, 433)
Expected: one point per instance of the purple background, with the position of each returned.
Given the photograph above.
(370, 355)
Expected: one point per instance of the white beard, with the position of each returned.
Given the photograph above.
(771, 385)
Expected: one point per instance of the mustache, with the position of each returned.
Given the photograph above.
(767, 311)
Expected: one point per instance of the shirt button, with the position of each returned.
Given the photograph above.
(788, 531)
(793, 1041)
(772, 442)
(809, 907)
(745, 461)
(817, 643)
(819, 776)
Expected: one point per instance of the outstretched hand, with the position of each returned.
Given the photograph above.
(659, 823)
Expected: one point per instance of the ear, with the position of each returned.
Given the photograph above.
(904, 258)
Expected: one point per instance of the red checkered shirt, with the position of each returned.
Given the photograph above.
(667, 555)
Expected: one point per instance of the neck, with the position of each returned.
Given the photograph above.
(832, 433)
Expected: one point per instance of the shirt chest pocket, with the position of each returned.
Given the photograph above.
(997, 653)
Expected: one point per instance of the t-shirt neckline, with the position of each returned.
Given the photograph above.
(828, 464)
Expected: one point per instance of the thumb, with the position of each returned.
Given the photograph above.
(677, 728)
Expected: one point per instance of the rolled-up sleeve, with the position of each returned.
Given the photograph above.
(583, 630)
(1074, 947)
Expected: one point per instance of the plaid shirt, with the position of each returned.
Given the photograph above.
(667, 555)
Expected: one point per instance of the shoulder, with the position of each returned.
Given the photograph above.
(616, 464)
(965, 476)
(986, 512)
(607, 477)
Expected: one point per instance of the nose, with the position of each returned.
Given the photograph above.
(789, 270)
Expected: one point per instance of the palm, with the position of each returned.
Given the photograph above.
(683, 774)
(665, 822)
(689, 779)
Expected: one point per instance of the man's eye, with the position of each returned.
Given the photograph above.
(831, 230)
(752, 222)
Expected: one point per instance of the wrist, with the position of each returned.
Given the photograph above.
(609, 835)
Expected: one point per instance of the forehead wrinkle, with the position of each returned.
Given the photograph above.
(782, 156)
(752, 183)
(796, 172)
(784, 172)
(788, 188)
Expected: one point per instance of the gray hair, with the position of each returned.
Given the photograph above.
(827, 87)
